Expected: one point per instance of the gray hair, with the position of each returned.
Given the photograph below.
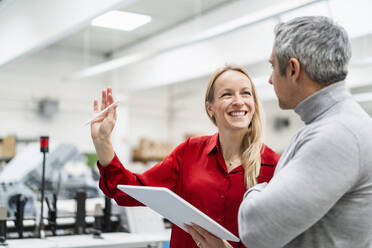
(321, 46)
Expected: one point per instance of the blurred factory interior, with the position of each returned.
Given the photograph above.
(54, 63)
(54, 60)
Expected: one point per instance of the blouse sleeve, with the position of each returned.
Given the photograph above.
(163, 174)
(269, 160)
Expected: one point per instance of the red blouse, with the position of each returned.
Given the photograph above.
(196, 171)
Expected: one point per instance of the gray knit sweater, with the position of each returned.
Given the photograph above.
(321, 192)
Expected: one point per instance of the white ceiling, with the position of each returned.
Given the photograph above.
(165, 14)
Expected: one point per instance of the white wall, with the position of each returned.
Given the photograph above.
(278, 139)
(187, 109)
(25, 82)
(148, 115)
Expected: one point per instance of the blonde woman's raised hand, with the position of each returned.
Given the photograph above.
(102, 126)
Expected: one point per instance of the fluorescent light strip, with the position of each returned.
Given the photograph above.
(208, 34)
(121, 20)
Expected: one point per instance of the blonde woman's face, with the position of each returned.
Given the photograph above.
(233, 106)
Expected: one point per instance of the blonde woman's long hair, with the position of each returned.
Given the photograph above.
(250, 148)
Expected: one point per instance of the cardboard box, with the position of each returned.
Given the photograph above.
(8, 147)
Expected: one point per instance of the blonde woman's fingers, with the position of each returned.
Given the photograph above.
(104, 99)
(110, 99)
(95, 105)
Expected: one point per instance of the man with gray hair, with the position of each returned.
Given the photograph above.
(321, 192)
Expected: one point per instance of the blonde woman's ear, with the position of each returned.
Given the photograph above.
(210, 111)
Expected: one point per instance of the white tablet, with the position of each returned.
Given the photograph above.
(176, 209)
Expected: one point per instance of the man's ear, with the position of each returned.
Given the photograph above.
(294, 68)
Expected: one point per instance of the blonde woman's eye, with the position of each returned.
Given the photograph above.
(225, 94)
(247, 93)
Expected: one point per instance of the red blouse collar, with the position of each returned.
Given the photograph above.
(213, 143)
(268, 156)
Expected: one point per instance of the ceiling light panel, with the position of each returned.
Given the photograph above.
(121, 20)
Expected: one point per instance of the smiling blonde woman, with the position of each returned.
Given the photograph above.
(210, 172)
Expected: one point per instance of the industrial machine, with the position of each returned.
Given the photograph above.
(66, 173)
